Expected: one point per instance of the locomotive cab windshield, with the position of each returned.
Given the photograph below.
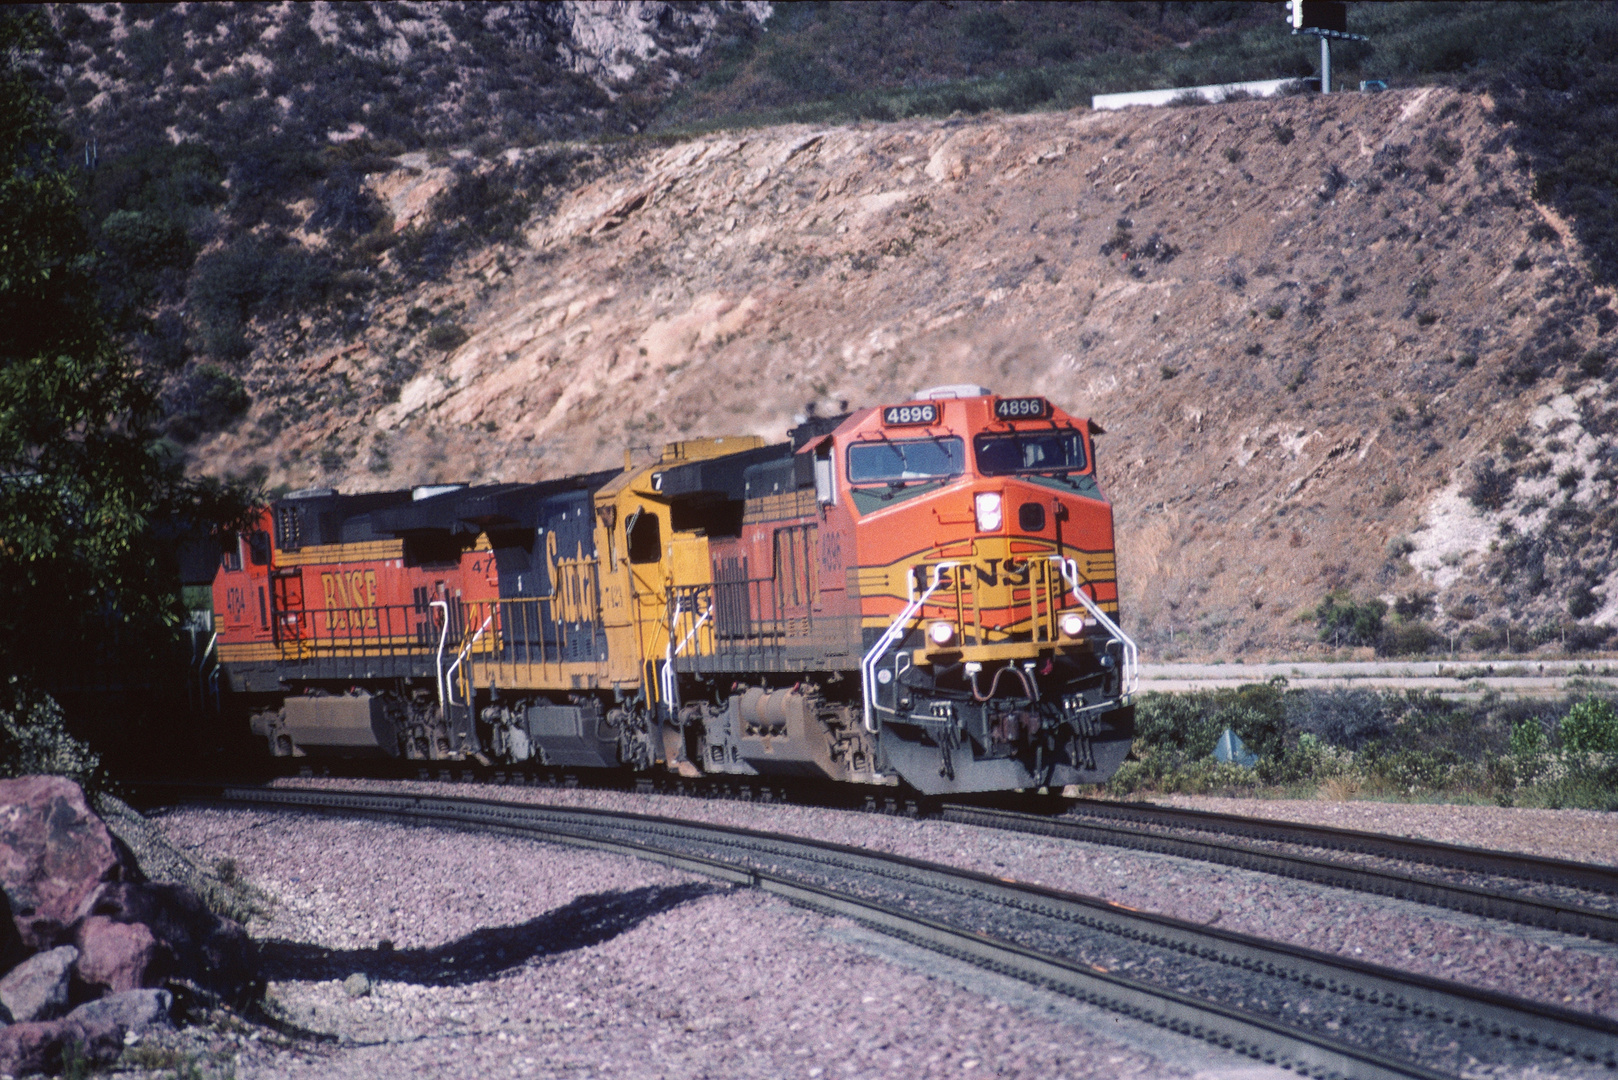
(1006, 454)
(938, 457)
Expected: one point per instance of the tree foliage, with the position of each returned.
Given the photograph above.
(85, 487)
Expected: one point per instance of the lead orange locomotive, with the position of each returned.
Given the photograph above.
(922, 593)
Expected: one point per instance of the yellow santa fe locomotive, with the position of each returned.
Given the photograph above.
(922, 593)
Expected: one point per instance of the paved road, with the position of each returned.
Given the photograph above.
(1518, 678)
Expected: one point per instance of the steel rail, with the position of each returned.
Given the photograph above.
(1565, 872)
(1487, 903)
(1559, 1030)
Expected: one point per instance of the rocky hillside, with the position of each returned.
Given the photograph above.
(1334, 343)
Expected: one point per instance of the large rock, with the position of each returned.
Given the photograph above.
(55, 854)
(37, 988)
(134, 1011)
(117, 956)
(42, 1045)
(193, 944)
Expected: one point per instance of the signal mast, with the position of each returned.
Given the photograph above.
(1327, 20)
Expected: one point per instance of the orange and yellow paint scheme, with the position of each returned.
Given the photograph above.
(924, 592)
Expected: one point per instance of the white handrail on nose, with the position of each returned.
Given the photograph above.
(1131, 658)
(894, 631)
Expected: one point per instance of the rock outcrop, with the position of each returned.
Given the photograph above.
(55, 855)
(65, 878)
(117, 956)
(190, 942)
(37, 988)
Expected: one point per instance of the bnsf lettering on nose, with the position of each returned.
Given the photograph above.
(1011, 571)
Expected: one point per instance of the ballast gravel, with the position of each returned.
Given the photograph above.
(1581, 835)
(488, 956)
(613, 967)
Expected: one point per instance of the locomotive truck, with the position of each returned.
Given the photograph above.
(921, 593)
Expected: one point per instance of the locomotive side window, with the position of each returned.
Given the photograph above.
(645, 537)
(230, 553)
(825, 474)
(906, 459)
(1030, 451)
(258, 548)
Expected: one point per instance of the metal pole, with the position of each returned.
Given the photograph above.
(1325, 64)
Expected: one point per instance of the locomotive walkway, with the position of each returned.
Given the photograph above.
(1316, 1013)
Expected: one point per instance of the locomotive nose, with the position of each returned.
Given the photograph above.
(1013, 507)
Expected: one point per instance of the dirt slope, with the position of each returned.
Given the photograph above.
(1302, 322)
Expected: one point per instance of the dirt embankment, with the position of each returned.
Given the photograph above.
(1302, 323)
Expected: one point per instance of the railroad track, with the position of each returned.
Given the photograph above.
(1563, 915)
(1481, 882)
(1161, 830)
(1318, 1014)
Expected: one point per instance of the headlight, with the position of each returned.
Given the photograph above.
(988, 508)
(941, 633)
(1073, 625)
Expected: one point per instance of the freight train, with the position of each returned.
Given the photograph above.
(922, 593)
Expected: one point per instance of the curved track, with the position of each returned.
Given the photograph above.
(1318, 1014)
(1564, 915)
(1569, 897)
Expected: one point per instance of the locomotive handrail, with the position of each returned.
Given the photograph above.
(438, 663)
(889, 636)
(449, 675)
(1131, 658)
(667, 686)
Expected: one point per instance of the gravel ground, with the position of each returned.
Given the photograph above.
(1538, 964)
(500, 956)
(1582, 835)
(494, 956)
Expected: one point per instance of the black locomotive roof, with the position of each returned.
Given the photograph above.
(721, 476)
(522, 504)
(321, 516)
(518, 505)
(813, 428)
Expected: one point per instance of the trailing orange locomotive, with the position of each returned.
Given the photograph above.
(921, 593)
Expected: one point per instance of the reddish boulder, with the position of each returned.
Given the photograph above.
(41, 1046)
(193, 944)
(55, 853)
(115, 956)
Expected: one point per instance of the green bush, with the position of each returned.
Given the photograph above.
(1527, 740)
(34, 738)
(1591, 726)
(253, 276)
(446, 337)
(1344, 621)
(1490, 486)
(206, 400)
(1379, 742)
(1407, 637)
